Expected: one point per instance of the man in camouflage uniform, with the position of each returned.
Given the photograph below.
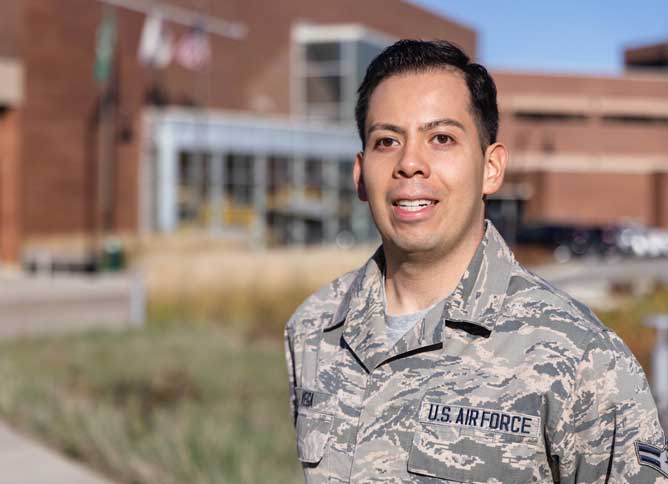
(443, 359)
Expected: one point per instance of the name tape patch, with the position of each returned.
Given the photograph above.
(307, 399)
(480, 418)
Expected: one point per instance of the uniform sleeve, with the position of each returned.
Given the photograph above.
(611, 412)
(290, 362)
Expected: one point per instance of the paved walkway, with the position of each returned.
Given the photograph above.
(23, 461)
(32, 305)
(590, 279)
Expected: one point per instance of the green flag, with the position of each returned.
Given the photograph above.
(104, 51)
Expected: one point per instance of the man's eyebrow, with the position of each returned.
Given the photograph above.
(387, 127)
(425, 127)
(442, 122)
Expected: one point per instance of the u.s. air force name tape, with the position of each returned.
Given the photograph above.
(480, 418)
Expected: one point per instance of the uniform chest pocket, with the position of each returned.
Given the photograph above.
(313, 434)
(474, 452)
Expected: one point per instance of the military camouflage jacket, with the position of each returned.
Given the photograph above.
(508, 380)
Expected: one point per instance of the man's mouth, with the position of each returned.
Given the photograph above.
(413, 205)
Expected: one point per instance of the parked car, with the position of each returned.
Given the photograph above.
(641, 241)
(568, 241)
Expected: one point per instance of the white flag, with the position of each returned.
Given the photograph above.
(156, 43)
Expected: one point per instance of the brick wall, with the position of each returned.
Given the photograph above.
(598, 198)
(11, 32)
(627, 160)
(10, 183)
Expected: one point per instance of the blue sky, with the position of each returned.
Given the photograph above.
(586, 36)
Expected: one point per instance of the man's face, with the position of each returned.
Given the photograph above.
(423, 170)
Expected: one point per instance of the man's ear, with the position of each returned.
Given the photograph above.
(496, 160)
(358, 178)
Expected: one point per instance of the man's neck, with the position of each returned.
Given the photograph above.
(414, 282)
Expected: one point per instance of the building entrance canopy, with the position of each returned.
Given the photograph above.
(273, 179)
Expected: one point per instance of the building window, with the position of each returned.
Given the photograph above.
(546, 117)
(329, 64)
(638, 119)
(193, 189)
(238, 189)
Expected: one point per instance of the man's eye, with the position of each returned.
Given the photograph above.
(443, 139)
(385, 143)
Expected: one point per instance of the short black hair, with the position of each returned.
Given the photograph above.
(417, 56)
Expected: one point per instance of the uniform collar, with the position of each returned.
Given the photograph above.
(475, 301)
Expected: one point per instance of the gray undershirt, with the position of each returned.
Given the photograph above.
(398, 326)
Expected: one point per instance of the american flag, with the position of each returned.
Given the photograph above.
(193, 50)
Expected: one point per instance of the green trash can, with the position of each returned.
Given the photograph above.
(113, 256)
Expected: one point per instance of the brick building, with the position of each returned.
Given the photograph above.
(50, 177)
(588, 150)
(261, 142)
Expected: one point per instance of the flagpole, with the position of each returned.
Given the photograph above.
(109, 146)
(106, 68)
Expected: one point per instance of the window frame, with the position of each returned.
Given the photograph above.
(347, 35)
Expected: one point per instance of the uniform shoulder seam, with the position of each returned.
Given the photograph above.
(578, 310)
(328, 295)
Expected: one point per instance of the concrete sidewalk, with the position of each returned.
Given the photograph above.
(23, 461)
(33, 305)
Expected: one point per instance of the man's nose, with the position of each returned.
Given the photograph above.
(412, 162)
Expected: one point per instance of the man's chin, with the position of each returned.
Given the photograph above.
(414, 246)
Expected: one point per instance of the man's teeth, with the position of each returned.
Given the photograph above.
(414, 205)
